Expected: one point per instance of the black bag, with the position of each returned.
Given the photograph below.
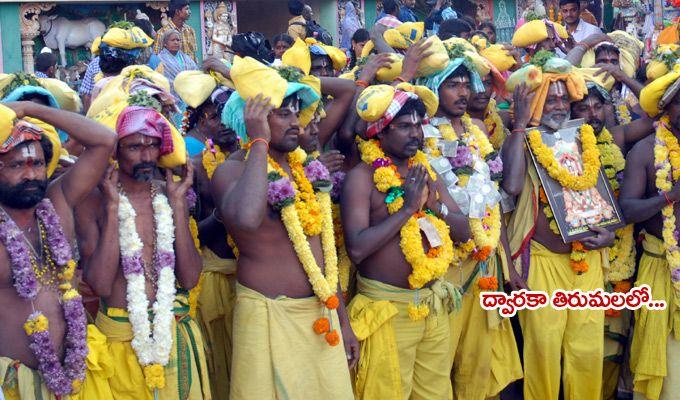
(316, 31)
(252, 44)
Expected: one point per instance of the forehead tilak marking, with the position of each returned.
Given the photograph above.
(28, 151)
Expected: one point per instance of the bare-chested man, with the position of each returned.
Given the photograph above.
(401, 311)
(31, 271)
(649, 193)
(477, 348)
(137, 254)
(288, 333)
(556, 343)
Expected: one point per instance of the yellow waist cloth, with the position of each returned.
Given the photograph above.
(390, 341)
(186, 373)
(648, 359)
(523, 218)
(215, 316)
(19, 382)
(277, 354)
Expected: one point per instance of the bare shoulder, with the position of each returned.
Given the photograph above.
(642, 152)
(361, 172)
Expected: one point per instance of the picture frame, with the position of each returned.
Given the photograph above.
(575, 211)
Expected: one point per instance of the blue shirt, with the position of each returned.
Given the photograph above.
(194, 146)
(405, 15)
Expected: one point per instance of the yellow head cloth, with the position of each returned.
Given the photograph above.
(194, 87)
(651, 95)
(67, 98)
(94, 49)
(252, 78)
(375, 100)
(657, 67)
(424, 94)
(307, 114)
(576, 88)
(336, 55)
(298, 56)
(436, 61)
(630, 49)
(536, 31)
(7, 120)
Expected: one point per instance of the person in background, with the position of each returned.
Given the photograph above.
(489, 30)
(281, 43)
(441, 11)
(454, 28)
(406, 11)
(576, 26)
(172, 59)
(179, 14)
(359, 39)
(389, 16)
(350, 24)
(586, 15)
(45, 65)
(297, 24)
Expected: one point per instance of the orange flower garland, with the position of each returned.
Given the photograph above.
(488, 283)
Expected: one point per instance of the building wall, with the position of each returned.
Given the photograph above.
(11, 37)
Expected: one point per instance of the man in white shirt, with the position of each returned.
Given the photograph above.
(577, 27)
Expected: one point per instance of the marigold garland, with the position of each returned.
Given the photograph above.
(488, 283)
(622, 253)
(424, 268)
(623, 116)
(195, 292)
(212, 158)
(590, 158)
(667, 164)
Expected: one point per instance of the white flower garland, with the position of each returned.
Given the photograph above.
(149, 349)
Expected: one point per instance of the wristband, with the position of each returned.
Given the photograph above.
(521, 130)
(668, 201)
(361, 83)
(253, 141)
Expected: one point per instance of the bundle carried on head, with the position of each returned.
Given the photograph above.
(658, 94)
(122, 35)
(536, 31)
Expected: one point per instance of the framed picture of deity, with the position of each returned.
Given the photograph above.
(574, 211)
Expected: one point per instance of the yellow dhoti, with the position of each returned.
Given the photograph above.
(485, 355)
(401, 358)
(186, 373)
(18, 382)
(277, 354)
(215, 316)
(562, 342)
(655, 351)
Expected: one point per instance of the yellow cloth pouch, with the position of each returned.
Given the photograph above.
(252, 78)
(127, 39)
(529, 74)
(373, 102)
(436, 61)
(652, 93)
(298, 56)
(498, 56)
(428, 98)
(589, 75)
(389, 74)
(534, 32)
(67, 98)
(337, 56)
(194, 87)
(7, 118)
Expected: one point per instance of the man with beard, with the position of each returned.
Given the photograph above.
(484, 355)
(622, 254)
(649, 193)
(289, 324)
(401, 310)
(556, 342)
(35, 269)
(140, 253)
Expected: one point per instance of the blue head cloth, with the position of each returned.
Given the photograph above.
(317, 50)
(22, 92)
(232, 114)
(435, 80)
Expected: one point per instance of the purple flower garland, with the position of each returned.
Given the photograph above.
(61, 380)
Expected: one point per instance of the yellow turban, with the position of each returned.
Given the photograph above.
(536, 31)
(630, 49)
(589, 75)
(195, 87)
(8, 121)
(652, 96)
(298, 56)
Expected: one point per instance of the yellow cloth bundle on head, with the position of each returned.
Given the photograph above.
(67, 98)
(652, 96)
(7, 120)
(298, 56)
(424, 94)
(498, 56)
(374, 101)
(337, 56)
(403, 36)
(194, 87)
(128, 39)
(604, 80)
(307, 114)
(436, 61)
(658, 67)
(117, 90)
(252, 78)
(536, 31)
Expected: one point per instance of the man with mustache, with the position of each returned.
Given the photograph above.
(649, 193)
(36, 217)
(484, 355)
(289, 322)
(622, 254)
(556, 343)
(401, 310)
(139, 257)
